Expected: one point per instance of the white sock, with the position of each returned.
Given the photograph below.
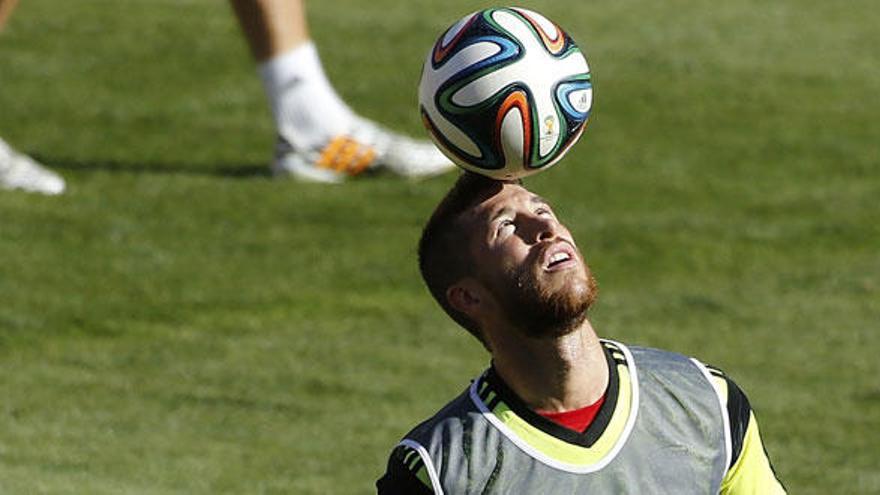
(307, 110)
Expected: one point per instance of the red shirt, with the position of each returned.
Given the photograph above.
(578, 419)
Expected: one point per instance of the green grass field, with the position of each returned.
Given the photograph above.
(180, 323)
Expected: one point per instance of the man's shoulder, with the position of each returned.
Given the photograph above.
(453, 413)
(638, 349)
(652, 356)
(410, 469)
(663, 372)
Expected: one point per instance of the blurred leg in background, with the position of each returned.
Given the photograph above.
(320, 138)
(19, 171)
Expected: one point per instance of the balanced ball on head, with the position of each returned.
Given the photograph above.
(505, 92)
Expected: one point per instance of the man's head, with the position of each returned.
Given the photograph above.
(494, 254)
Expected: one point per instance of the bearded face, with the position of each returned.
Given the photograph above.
(546, 306)
(529, 262)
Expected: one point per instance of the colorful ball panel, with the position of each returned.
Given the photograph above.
(505, 92)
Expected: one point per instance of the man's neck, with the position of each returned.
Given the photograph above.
(553, 374)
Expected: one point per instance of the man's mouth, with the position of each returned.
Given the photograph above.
(558, 256)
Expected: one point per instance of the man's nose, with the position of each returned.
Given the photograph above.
(541, 228)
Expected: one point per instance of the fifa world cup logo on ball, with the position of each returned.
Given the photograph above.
(505, 92)
(548, 125)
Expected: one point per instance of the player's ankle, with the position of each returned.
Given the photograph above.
(306, 108)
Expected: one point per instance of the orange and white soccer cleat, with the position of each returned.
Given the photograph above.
(368, 147)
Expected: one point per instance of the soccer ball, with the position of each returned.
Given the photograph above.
(505, 92)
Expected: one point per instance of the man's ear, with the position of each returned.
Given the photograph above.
(466, 296)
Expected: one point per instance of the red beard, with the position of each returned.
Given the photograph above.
(547, 305)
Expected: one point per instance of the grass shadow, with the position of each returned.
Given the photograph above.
(232, 170)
